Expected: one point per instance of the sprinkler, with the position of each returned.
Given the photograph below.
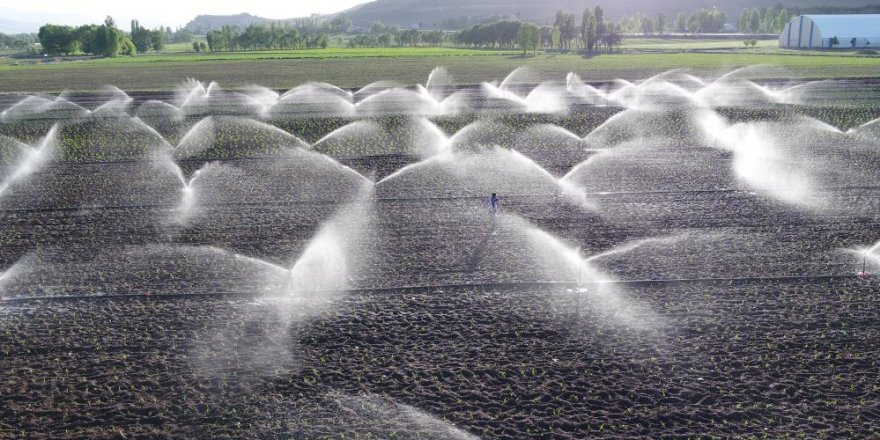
(864, 273)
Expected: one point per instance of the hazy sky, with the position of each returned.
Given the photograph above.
(153, 13)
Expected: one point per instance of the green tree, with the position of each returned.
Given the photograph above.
(681, 21)
(57, 40)
(229, 38)
(528, 37)
(717, 19)
(744, 20)
(647, 25)
(86, 34)
(599, 14)
(127, 47)
(661, 23)
(378, 28)
(213, 41)
(339, 25)
(141, 37)
(556, 38)
(707, 20)
(589, 30)
(567, 28)
(434, 38)
(611, 38)
(768, 19)
(754, 21)
(182, 35)
(108, 39)
(385, 39)
(157, 39)
(695, 21)
(782, 19)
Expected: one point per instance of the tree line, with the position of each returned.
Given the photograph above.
(304, 33)
(145, 39)
(765, 20)
(588, 33)
(592, 32)
(108, 40)
(867, 9)
(386, 36)
(699, 21)
(273, 36)
(752, 20)
(105, 39)
(19, 42)
(202, 24)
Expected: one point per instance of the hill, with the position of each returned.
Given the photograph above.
(431, 14)
(17, 27)
(452, 14)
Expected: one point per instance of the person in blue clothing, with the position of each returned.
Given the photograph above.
(494, 204)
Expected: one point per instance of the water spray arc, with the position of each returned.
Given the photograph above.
(34, 159)
(867, 254)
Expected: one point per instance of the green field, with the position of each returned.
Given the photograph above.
(178, 47)
(357, 67)
(762, 47)
(394, 52)
(683, 44)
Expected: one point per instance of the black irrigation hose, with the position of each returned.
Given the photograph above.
(748, 191)
(147, 161)
(415, 199)
(411, 289)
(163, 207)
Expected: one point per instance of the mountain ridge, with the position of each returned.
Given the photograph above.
(452, 14)
(17, 27)
(428, 13)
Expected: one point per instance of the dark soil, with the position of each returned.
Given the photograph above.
(750, 321)
(743, 359)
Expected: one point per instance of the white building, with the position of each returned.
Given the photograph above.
(818, 31)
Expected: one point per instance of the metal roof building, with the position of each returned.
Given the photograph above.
(818, 31)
